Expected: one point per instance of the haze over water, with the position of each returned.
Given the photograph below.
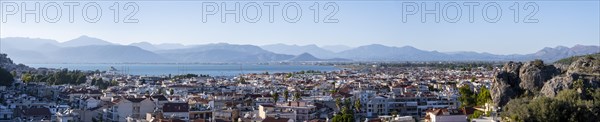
(174, 69)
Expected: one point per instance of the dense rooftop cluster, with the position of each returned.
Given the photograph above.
(370, 93)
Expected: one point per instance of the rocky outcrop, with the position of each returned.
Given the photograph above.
(512, 67)
(7, 64)
(585, 65)
(533, 75)
(516, 79)
(505, 87)
(506, 84)
(5, 61)
(556, 84)
(585, 69)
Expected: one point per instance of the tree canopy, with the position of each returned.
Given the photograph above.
(467, 97)
(6, 78)
(275, 96)
(484, 96)
(568, 106)
(346, 115)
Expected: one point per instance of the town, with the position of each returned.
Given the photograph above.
(362, 92)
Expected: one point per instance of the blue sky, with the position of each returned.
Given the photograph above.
(564, 23)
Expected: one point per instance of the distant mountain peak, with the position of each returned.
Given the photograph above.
(305, 57)
(146, 43)
(336, 48)
(85, 41)
(305, 54)
(376, 45)
(297, 50)
(409, 47)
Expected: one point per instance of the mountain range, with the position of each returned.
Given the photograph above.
(87, 49)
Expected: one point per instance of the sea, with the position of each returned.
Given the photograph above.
(175, 69)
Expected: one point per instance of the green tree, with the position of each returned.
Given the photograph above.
(345, 116)
(569, 95)
(93, 81)
(357, 105)
(103, 84)
(475, 115)
(26, 77)
(567, 106)
(297, 95)
(62, 77)
(578, 84)
(347, 103)
(467, 97)
(286, 95)
(483, 96)
(337, 118)
(242, 80)
(275, 96)
(6, 78)
(338, 103)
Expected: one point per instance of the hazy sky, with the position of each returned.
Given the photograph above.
(359, 23)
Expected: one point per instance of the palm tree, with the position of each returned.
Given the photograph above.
(286, 95)
(357, 105)
(275, 96)
(338, 103)
(297, 96)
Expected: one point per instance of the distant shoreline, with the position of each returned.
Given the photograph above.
(174, 69)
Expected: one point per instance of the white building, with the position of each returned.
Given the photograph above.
(129, 107)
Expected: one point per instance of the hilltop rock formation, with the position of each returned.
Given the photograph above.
(506, 84)
(585, 65)
(533, 75)
(7, 64)
(516, 79)
(534, 78)
(585, 69)
(554, 85)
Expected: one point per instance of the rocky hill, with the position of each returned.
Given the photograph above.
(535, 78)
(7, 64)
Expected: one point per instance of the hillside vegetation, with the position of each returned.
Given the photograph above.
(568, 91)
(569, 60)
